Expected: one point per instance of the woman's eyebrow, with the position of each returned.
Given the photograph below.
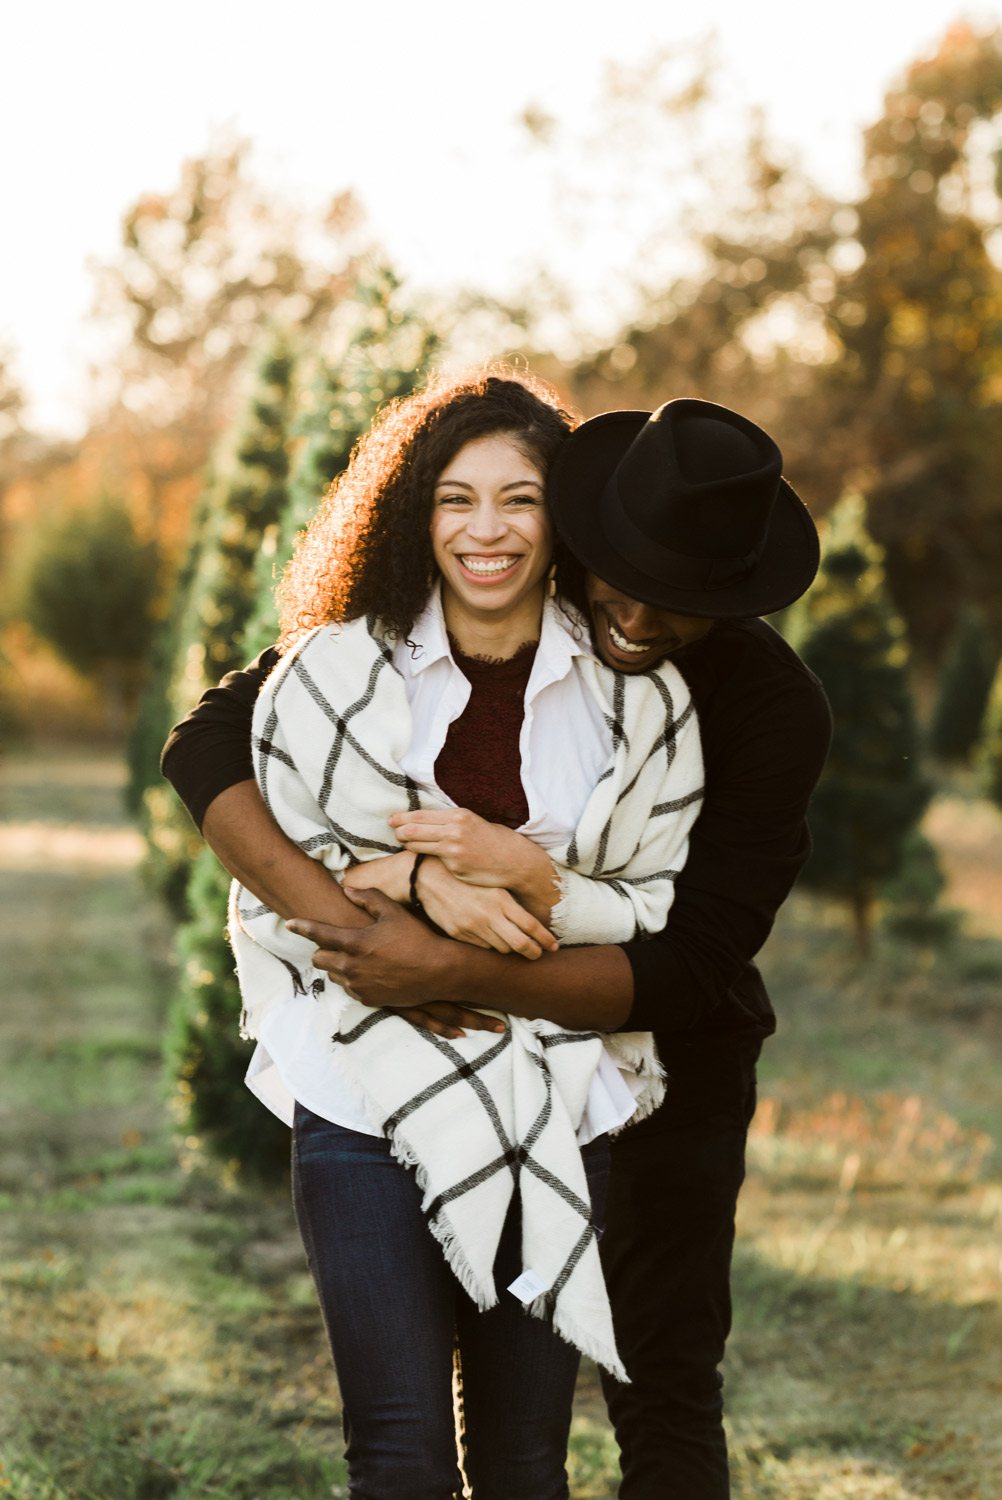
(516, 484)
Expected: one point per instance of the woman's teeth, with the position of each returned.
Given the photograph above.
(488, 565)
(622, 644)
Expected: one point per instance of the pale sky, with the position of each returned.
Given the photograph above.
(413, 105)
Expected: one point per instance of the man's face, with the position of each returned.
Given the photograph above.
(633, 637)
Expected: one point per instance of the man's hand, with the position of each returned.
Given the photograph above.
(449, 1020)
(398, 964)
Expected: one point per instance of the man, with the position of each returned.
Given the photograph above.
(681, 532)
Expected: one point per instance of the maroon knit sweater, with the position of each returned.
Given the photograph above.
(480, 765)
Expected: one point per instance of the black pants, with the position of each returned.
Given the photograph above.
(667, 1255)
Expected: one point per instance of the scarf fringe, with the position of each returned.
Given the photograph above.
(582, 1339)
(485, 1297)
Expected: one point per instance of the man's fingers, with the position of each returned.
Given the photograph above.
(333, 963)
(323, 933)
(473, 1020)
(420, 1017)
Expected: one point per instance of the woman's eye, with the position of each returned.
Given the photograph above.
(524, 500)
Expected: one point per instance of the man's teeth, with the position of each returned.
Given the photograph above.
(488, 565)
(622, 644)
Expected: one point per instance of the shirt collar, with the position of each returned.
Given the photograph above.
(428, 638)
(564, 634)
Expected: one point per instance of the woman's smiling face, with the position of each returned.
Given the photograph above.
(490, 532)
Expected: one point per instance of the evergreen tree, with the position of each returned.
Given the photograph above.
(384, 349)
(202, 639)
(873, 791)
(204, 1054)
(156, 709)
(964, 684)
(381, 358)
(989, 751)
(252, 499)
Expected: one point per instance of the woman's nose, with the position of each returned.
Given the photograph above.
(486, 524)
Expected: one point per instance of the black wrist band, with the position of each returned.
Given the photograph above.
(415, 898)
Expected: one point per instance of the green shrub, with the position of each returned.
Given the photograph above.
(912, 897)
(89, 588)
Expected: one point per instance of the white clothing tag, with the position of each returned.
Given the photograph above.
(528, 1286)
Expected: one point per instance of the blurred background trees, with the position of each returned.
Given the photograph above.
(248, 344)
(229, 615)
(873, 790)
(87, 590)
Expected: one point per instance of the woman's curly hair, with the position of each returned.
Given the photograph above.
(368, 548)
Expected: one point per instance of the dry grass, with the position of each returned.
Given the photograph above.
(160, 1336)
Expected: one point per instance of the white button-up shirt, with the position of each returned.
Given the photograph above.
(565, 742)
(565, 745)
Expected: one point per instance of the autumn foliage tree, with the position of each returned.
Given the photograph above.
(202, 270)
(867, 336)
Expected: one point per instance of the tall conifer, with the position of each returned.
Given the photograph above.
(873, 790)
(202, 638)
(382, 356)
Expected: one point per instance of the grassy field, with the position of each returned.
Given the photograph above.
(160, 1336)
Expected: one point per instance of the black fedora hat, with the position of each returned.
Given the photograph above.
(684, 508)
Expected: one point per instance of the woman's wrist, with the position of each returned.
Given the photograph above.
(416, 903)
(535, 882)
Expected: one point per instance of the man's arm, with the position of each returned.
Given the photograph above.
(208, 761)
(745, 852)
(210, 749)
(397, 961)
(247, 841)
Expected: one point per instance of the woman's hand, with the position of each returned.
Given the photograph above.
(391, 874)
(481, 853)
(486, 917)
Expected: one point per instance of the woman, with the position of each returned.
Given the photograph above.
(484, 694)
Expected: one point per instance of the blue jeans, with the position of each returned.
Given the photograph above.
(394, 1314)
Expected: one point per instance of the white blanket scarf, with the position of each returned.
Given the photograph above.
(484, 1116)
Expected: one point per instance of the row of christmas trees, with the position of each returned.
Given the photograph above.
(296, 434)
(302, 419)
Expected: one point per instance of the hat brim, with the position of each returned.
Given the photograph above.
(584, 464)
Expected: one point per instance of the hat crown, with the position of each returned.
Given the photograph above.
(701, 480)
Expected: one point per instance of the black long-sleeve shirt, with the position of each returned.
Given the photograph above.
(765, 726)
